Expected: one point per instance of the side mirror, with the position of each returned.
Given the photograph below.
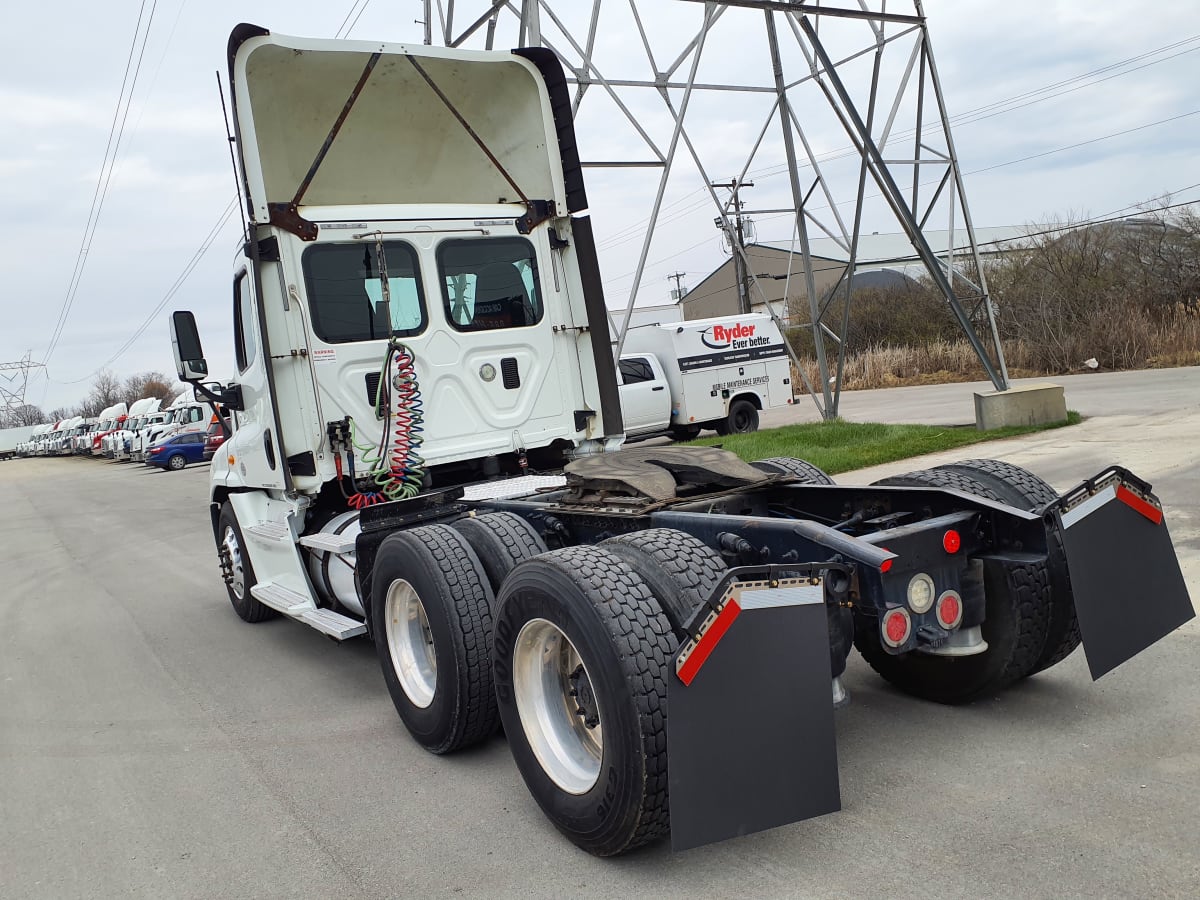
(190, 364)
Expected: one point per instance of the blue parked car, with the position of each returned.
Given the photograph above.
(176, 451)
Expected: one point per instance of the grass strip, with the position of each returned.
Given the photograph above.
(841, 446)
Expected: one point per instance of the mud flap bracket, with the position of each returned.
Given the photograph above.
(1128, 588)
(750, 736)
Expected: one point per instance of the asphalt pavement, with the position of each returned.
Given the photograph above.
(154, 745)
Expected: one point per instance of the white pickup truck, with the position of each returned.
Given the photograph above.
(681, 377)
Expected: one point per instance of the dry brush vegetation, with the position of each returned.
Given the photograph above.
(1124, 294)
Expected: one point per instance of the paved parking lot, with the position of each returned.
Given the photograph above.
(152, 744)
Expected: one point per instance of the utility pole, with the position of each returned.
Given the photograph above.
(677, 294)
(737, 239)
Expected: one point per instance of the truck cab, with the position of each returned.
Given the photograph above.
(111, 419)
(113, 444)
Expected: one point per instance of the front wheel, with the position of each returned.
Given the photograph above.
(581, 658)
(236, 569)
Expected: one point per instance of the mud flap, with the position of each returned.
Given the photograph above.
(750, 737)
(1128, 588)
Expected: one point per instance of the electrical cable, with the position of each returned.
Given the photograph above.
(106, 166)
(396, 470)
(967, 117)
(934, 181)
(205, 246)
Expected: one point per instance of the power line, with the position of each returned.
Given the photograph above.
(205, 246)
(343, 30)
(1086, 223)
(972, 172)
(209, 239)
(111, 150)
(968, 117)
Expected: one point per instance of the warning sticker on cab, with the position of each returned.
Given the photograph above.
(324, 355)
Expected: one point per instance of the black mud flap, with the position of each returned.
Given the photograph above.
(750, 738)
(1125, 577)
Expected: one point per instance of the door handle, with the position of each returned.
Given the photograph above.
(661, 387)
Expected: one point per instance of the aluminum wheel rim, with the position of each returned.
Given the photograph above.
(570, 753)
(410, 643)
(237, 578)
(177, 462)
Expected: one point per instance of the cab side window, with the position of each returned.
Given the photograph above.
(634, 371)
(244, 324)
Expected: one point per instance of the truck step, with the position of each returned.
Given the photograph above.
(334, 624)
(512, 487)
(270, 532)
(329, 543)
(280, 598)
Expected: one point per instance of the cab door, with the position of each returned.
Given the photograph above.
(645, 400)
(254, 446)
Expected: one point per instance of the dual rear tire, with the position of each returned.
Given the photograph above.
(585, 641)
(572, 658)
(1030, 621)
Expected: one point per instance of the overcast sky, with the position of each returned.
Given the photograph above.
(1036, 140)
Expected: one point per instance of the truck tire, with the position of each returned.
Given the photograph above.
(685, 432)
(742, 419)
(1015, 626)
(237, 570)
(579, 627)
(431, 608)
(681, 570)
(1021, 488)
(500, 540)
(789, 465)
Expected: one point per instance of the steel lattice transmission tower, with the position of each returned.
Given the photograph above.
(14, 379)
(844, 100)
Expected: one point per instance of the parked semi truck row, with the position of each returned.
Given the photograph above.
(429, 452)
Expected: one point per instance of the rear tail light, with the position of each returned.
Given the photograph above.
(951, 541)
(896, 627)
(949, 609)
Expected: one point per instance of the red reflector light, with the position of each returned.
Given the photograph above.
(951, 541)
(886, 565)
(949, 609)
(896, 627)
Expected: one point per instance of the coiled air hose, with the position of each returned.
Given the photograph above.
(395, 464)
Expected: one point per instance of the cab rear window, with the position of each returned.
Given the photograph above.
(346, 296)
(489, 283)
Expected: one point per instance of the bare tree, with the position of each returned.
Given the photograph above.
(63, 412)
(147, 384)
(106, 391)
(28, 414)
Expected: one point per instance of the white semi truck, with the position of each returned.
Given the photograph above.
(428, 450)
(113, 444)
(111, 419)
